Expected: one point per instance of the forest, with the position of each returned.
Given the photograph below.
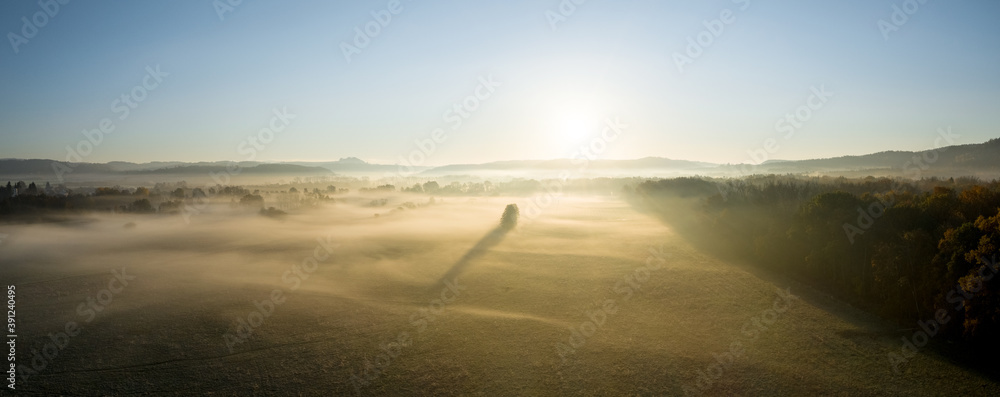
(908, 251)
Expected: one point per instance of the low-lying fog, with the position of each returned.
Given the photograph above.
(427, 299)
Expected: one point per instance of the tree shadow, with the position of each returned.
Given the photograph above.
(680, 215)
(488, 241)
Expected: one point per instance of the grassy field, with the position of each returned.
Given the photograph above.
(588, 298)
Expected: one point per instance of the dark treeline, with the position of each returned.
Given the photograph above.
(26, 201)
(901, 249)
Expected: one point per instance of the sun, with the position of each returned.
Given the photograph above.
(574, 127)
(571, 119)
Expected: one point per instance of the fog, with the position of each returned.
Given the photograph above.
(221, 247)
(345, 297)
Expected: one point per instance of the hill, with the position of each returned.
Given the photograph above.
(981, 160)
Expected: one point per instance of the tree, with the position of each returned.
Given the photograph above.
(982, 311)
(508, 221)
(177, 193)
(107, 191)
(272, 212)
(171, 207)
(978, 201)
(142, 206)
(252, 200)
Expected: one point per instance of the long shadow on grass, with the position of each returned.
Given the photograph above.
(679, 214)
(488, 241)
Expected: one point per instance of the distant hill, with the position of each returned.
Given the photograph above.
(37, 167)
(41, 167)
(982, 160)
(356, 166)
(126, 166)
(251, 169)
(623, 166)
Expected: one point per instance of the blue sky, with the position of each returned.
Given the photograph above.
(607, 59)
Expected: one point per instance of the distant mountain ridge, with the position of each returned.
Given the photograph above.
(43, 167)
(353, 165)
(967, 159)
(981, 159)
(647, 163)
(244, 169)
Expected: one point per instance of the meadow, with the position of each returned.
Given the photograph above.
(585, 297)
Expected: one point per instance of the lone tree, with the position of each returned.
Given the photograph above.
(508, 220)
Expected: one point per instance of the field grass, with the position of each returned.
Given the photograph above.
(504, 330)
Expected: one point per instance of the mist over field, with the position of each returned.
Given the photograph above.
(588, 293)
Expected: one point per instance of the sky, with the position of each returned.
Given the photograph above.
(724, 81)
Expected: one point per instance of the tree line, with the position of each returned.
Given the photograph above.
(901, 249)
(27, 199)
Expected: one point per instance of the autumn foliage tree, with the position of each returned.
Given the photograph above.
(900, 249)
